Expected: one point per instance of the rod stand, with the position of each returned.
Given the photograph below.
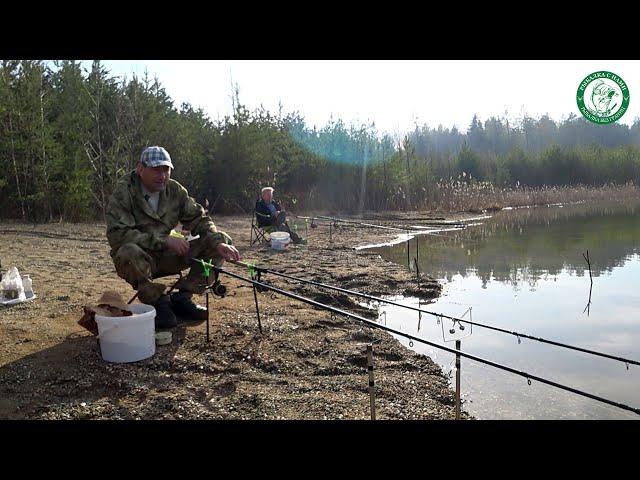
(372, 395)
(458, 342)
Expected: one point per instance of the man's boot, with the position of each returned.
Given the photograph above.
(295, 238)
(165, 318)
(184, 307)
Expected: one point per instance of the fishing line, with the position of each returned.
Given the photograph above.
(373, 324)
(518, 335)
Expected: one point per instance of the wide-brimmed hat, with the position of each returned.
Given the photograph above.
(111, 303)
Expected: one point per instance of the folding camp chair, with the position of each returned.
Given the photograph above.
(153, 277)
(260, 233)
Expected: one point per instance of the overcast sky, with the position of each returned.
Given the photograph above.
(395, 93)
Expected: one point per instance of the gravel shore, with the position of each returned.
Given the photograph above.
(308, 364)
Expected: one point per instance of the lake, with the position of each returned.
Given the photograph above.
(523, 270)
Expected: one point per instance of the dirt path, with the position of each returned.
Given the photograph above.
(307, 365)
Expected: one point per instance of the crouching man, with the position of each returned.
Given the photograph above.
(144, 208)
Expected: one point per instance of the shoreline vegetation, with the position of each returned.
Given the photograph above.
(456, 197)
(483, 197)
(67, 134)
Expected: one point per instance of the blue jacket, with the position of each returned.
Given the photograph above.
(262, 209)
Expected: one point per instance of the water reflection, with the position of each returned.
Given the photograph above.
(520, 247)
(523, 270)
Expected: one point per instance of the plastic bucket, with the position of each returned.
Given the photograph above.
(128, 339)
(279, 240)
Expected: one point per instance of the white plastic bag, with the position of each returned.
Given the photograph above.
(12, 287)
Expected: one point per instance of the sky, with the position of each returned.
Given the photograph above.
(395, 94)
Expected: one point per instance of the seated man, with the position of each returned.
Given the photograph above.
(267, 207)
(143, 209)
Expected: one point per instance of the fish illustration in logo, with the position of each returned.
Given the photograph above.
(601, 97)
(602, 100)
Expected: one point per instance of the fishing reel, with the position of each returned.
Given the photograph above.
(218, 289)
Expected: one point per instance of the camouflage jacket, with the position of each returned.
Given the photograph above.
(130, 218)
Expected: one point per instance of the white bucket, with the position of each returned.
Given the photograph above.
(128, 339)
(279, 240)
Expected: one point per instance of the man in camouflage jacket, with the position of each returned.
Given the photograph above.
(143, 209)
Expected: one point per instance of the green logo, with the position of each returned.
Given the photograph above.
(603, 97)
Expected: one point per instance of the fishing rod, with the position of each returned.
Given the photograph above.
(305, 218)
(335, 219)
(403, 228)
(361, 224)
(441, 315)
(412, 338)
(421, 230)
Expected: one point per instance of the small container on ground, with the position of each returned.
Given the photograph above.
(279, 240)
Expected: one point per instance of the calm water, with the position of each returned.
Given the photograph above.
(523, 270)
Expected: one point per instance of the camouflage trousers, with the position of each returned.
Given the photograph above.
(139, 267)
